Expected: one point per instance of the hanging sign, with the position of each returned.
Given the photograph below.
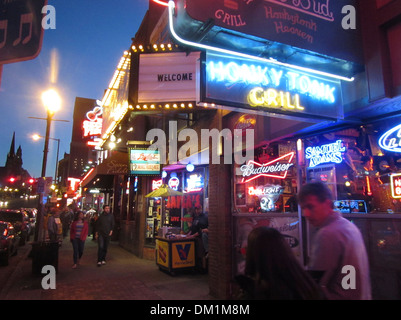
(167, 77)
(144, 162)
(315, 25)
(256, 85)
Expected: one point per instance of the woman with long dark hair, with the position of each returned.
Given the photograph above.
(272, 271)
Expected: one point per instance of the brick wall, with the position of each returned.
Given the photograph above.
(220, 225)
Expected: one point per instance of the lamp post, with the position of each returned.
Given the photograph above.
(37, 137)
(52, 102)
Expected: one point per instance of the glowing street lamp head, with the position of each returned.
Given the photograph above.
(36, 136)
(51, 100)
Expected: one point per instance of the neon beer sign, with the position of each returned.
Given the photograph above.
(391, 140)
(265, 190)
(173, 183)
(395, 185)
(277, 168)
(327, 153)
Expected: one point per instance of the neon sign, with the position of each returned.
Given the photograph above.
(391, 141)
(277, 168)
(173, 183)
(156, 184)
(273, 98)
(265, 190)
(194, 183)
(328, 153)
(395, 185)
(251, 84)
(93, 125)
(233, 72)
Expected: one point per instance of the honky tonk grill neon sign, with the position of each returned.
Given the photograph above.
(277, 168)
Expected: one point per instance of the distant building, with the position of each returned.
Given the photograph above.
(13, 172)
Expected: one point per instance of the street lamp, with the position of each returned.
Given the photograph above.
(52, 103)
(37, 137)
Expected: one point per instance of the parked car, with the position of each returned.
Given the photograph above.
(9, 241)
(19, 220)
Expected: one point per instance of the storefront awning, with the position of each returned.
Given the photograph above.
(102, 175)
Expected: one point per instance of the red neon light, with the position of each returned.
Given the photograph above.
(89, 172)
(161, 2)
(156, 184)
(290, 155)
(369, 191)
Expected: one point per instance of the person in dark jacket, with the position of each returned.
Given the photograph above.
(272, 271)
(104, 230)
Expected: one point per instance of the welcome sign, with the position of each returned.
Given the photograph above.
(270, 87)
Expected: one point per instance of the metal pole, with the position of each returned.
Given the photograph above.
(46, 148)
(56, 169)
(39, 218)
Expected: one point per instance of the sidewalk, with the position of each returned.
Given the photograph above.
(124, 277)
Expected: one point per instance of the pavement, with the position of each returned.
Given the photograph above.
(123, 277)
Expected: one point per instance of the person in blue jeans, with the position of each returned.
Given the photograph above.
(104, 231)
(78, 233)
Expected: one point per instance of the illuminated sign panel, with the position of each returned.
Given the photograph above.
(396, 185)
(144, 162)
(156, 184)
(167, 77)
(251, 84)
(315, 25)
(328, 153)
(391, 140)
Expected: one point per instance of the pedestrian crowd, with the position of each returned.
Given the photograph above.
(272, 271)
(78, 225)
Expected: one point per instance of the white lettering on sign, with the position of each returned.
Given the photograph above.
(327, 153)
(391, 140)
(265, 190)
(274, 169)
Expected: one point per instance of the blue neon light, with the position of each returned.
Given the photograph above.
(328, 153)
(273, 77)
(171, 7)
(390, 141)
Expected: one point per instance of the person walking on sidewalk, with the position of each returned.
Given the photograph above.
(78, 234)
(104, 230)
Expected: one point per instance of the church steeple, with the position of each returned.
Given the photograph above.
(11, 154)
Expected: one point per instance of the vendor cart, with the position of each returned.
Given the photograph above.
(175, 254)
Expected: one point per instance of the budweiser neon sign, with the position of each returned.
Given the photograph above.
(277, 168)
